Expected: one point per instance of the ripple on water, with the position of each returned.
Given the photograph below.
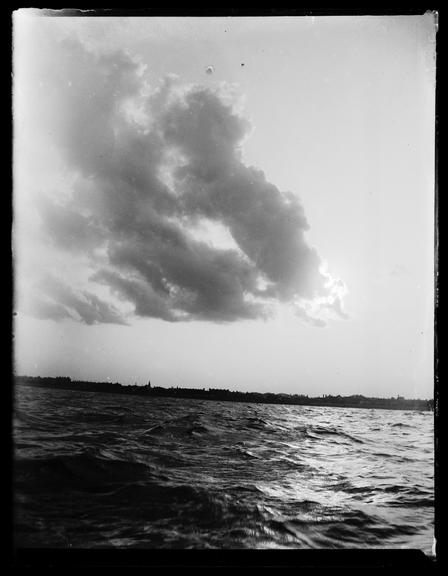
(104, 470)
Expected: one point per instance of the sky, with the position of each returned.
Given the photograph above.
(242, 203)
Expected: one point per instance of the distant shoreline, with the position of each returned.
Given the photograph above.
(354, 401)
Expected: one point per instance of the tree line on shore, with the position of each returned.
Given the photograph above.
(355, 400)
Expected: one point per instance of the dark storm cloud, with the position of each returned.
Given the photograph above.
(54, 299)
(69, 228)
(152, 165)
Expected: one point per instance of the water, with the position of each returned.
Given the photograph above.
(105, 470)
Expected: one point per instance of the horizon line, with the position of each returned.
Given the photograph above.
(396, 397)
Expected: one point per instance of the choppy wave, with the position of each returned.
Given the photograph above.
(95, 470)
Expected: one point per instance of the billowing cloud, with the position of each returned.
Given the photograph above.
(53, 299)
(152, 165)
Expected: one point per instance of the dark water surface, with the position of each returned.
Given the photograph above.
(105, 470)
